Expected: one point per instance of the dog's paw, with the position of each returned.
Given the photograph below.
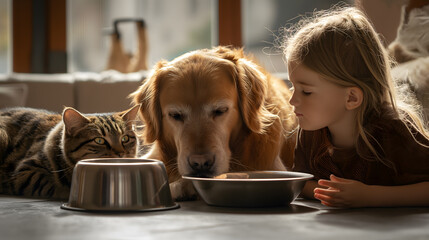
(183, 190)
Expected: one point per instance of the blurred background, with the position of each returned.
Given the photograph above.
(59, 36)
(56, 53)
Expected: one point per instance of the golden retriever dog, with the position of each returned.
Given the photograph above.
(213, 111)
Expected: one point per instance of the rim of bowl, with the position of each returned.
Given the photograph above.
(175, 205)
(304, 176)
(118, 161)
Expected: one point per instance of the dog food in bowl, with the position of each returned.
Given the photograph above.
(251, 189)
(119, 184)
(233, 176)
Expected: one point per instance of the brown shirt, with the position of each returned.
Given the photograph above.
(410, 159)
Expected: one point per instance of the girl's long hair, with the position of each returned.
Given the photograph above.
(342, 46)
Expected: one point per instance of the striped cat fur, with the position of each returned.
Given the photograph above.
(39, 149)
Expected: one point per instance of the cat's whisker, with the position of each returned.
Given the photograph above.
(62, 170)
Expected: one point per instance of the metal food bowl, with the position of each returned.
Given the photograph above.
(119, 184)
(251, 189)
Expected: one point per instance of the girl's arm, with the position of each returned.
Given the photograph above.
(342, 192)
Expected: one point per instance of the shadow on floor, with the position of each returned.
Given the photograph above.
(290, 209)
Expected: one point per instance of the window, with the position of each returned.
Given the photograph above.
(5, 36)
(173, 28)
(262, 21)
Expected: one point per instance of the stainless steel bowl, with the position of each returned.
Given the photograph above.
(119, 184)
(251, 189)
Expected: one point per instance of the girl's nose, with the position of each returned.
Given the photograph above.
(293, 100)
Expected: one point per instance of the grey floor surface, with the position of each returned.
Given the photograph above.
(23, 218)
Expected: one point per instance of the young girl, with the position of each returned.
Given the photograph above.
(364, 146)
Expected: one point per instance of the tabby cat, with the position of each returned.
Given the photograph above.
(39, 149)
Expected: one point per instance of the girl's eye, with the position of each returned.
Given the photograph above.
(125, 139)
(220, 111)
(306, 93)
(176, 116)
(99, 140)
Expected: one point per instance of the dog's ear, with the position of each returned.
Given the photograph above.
(252, 87)
(148, 96)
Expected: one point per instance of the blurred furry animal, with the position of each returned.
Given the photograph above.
(410, 49)
(211, 111)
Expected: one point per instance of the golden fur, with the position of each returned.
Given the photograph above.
(212, 111)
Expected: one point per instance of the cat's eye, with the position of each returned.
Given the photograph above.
(125, 139)
(99, 140)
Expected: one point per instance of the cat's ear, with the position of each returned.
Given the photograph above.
(73, 120)
(130, 115)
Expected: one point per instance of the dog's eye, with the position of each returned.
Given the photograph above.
(176, 116)
(220, 111)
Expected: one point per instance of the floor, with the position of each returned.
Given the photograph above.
(22, 218)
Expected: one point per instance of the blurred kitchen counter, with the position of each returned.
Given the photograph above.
(25, 218)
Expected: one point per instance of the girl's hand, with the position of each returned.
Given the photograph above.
(342, 193)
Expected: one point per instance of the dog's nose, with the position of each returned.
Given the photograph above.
(201, 162)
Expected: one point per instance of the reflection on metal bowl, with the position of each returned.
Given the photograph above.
(119, 184)
(251, 189)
